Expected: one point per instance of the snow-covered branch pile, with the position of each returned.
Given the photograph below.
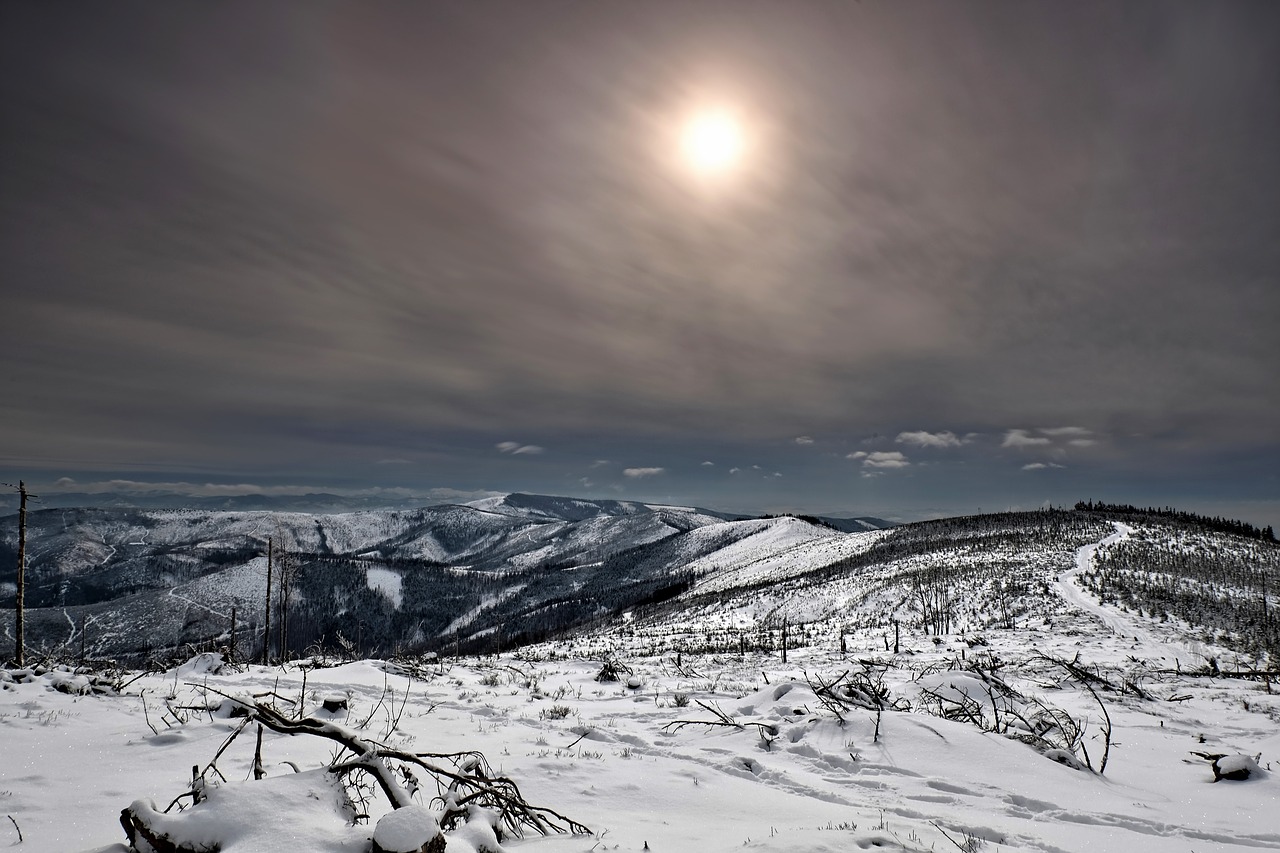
(469, 798)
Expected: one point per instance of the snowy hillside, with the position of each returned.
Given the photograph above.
(998, 683)
(132, 584)
(923, 750)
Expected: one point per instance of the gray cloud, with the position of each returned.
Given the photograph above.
(1066, 432)
(921, 438)
(1024, 438)
(235, 246)
(642, 472)
(120, 486)
(515, 448)
(881, 459)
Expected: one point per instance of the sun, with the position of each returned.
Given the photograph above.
(712, 142)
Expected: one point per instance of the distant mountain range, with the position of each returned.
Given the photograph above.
(161, 499)
(129, 582)
(323, 502)
(133, 584)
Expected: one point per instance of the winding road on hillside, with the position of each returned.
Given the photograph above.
(1067, 587)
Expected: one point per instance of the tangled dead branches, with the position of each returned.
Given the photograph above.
(464, 781)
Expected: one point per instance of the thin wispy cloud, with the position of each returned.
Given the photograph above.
(642, 472)
(515, 448)
(1024, 438)
(921, 438)
(194, 489)
(804, 440)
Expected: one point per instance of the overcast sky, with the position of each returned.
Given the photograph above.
(971, 255)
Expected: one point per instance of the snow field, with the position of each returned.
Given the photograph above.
(709, 751)
(617, 759)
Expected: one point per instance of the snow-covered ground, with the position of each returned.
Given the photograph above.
(789, 777)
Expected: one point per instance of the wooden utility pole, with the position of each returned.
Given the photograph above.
(266, 631)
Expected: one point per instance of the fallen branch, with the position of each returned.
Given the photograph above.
(463, 779)
(768, 731)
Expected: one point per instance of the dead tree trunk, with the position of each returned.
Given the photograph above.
(266, 631)
(286, 570)
(19, 649)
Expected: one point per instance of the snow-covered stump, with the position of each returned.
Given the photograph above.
(335, 702)
(1232, 768)
(412, 829)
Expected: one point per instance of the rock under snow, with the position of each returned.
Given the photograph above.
(1235, 768)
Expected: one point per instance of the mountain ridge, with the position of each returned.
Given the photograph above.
(136, 583)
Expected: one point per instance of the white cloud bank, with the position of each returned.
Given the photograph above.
(881, 459)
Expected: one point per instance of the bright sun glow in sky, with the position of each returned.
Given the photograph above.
(713, 142)
(815, 257)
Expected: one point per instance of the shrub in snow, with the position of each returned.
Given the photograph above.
(611, 670)
(1062, 756)
(481, 830)
(205, 663)
(76, 681)
(228, 707)
(68, 682)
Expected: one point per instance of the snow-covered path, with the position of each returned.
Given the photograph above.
(1074, 595)
(173, 593)
(1117, 622)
